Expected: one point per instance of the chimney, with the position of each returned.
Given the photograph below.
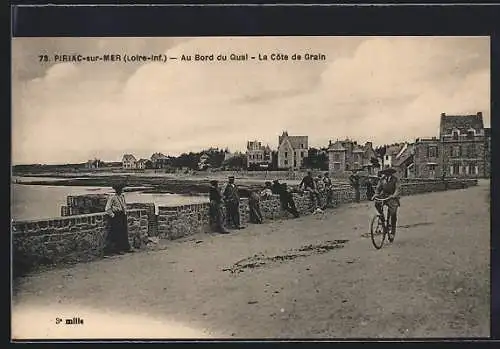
(443, 114)
(329, 143)
(480, 114)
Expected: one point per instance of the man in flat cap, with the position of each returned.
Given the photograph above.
(216, 217)
(388, 188)
(232, 201)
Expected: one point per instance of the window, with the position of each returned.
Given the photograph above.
(472, 168)
(337, 157)
(432, 170)
(286, 154)
(302, 146)
(471, 151)
(336, 166)
(455, 134)
(456, 151)
(387, 157)
(471, 133)
(432, 151)
(302, 154)
(286, 162)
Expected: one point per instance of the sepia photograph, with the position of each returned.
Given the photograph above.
(292, 187)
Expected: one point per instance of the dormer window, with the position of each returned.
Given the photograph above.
(455, 134)
(471, 133)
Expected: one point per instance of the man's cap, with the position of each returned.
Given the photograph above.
(231, 177)
(118, 185)
(214, 182)
(276, 181)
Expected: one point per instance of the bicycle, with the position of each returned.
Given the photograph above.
(380, 227)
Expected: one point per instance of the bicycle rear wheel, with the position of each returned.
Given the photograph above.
(377, 232)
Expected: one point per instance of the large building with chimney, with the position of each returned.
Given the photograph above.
(462, 149)
(292, 150)
(465, 145)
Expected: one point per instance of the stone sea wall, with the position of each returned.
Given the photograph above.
(80, 238)
(69, 239)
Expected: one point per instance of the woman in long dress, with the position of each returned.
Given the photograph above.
(116, 209)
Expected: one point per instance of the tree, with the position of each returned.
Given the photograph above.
(216, 157)
(187, 160)
(316, 159)
(237, 162)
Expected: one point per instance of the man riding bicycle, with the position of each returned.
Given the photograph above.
(388, 190)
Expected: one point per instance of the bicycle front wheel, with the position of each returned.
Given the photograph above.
(377, 232)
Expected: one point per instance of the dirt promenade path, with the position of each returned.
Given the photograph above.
(433, 281)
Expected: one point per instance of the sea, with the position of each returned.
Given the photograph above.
(30, 202)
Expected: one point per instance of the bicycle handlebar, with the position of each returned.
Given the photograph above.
(381, 200)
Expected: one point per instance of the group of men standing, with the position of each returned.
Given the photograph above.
(385, 186)
(231, 200)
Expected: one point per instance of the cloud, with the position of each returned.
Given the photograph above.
(381, 89)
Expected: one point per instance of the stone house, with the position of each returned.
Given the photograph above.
(159, 160)
(291, 151)
(142, 164)
(465, 144)
(427, 159)
(391, 152)
(129, 162)
(404, 161)
(462, 149)
(258, 155)
(348, 155)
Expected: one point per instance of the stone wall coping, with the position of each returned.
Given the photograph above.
(66, 218)
(201, 204)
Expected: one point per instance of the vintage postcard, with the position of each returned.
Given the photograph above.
(251, 187)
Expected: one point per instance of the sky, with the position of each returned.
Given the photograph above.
(378, 89)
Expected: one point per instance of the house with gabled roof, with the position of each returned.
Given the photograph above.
(129, 162)
(143, 164)
(292, 150)
(390, 154)
(159, 160)
(348, 155)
